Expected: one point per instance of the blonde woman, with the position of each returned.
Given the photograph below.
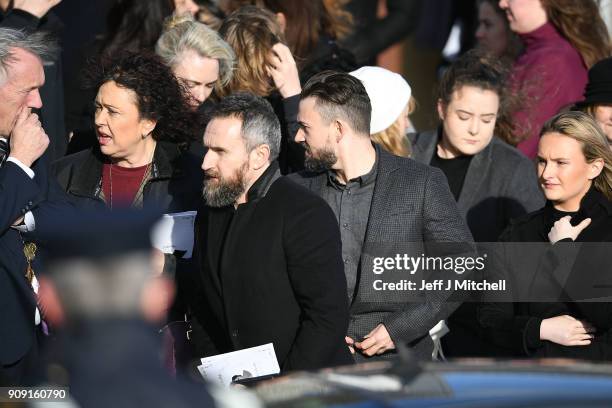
(575, 174)
(197, 55)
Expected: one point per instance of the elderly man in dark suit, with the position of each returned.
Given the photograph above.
(26, 198)
(268, 249)
(381, 201)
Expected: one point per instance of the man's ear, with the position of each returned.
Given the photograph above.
(339, 129)
(259, 156)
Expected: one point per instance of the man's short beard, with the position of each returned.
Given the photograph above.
(226, 191)
(323, 161)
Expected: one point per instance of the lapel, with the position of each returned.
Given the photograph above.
(384, 188)
(475, 176)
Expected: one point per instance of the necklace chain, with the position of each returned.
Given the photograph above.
(140, 189)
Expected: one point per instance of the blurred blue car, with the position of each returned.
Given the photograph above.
(462, 383)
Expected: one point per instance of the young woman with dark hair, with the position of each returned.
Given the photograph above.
(491, 180)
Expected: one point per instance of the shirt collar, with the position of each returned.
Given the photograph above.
(363, 180)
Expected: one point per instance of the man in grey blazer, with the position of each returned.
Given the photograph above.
(382, 203)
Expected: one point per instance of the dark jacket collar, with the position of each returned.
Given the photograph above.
(260, 188)
(593, 204)
(88, 174)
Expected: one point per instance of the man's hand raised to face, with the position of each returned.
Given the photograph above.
(28, 139)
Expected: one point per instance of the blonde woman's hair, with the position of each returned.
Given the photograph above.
(583, 128)
(251, 31)
(182, 33)
(391, 139)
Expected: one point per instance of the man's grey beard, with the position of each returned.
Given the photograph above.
(226, 191)
(324, 160)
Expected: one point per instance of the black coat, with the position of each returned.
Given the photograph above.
(272, 272)
(515, 327)
(175, 186)
(20, 194)
(115, 362)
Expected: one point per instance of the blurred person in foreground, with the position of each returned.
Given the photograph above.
(268, 250)
(106, 298)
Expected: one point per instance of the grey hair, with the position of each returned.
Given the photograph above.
(37, 43)
(182, 33)
(112, 287)
(260, 125)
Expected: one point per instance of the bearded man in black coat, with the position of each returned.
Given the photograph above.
(268, 250)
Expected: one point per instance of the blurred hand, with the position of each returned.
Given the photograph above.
(37, 8)
(563, 229)
(566, 331)
(284, 71)
(158, 261)
(377, 341)
(28, 139)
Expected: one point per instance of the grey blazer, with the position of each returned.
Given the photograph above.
(501, 184)
(411, 204)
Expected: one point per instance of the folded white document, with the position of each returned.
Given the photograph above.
(174, 232)
(251, 362)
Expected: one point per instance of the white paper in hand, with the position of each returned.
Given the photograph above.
(174, 232)
(251, 362)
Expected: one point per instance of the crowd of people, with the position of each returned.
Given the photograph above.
(269, 119)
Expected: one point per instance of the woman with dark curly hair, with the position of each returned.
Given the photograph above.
(143, 127)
